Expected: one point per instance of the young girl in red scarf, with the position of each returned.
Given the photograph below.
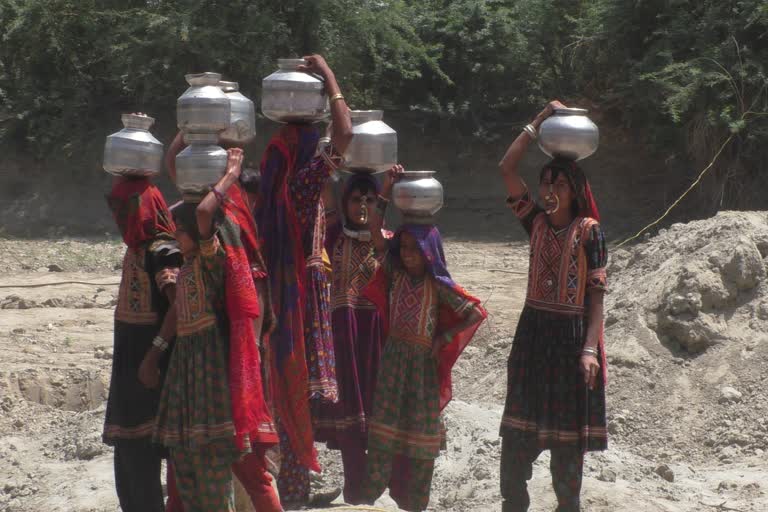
(430, 322)
(212, 410)
(145, 323)
(556, 370)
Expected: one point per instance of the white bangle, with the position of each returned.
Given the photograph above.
(160, 343)
(531, 131)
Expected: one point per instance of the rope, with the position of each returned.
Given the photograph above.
(57, 284)
(679, 199)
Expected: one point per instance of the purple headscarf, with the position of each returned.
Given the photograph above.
(431, 244)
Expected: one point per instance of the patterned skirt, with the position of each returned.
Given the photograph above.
(318, 336)
(195, 405)
(358, 343)
(406, 409)
(547, 402)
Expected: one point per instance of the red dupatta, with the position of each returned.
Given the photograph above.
(250, 413)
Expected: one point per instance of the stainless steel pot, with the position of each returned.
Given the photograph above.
(569, 133)
(291, 96)
(418, 194)
(242, 116)
(200, 165)
(133, 151)
(204, 107)
(374, 144)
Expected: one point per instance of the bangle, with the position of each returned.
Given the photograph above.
(160, 343)
(589, 351)
(531, 131)
(382, 198)
(336, 97)
(218, 194)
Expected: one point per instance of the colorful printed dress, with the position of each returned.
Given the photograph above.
(302, 363)
(195, 415)
(358, 334)
(548, 404)
(405, 432)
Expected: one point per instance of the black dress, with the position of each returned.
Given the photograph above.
(547, 403)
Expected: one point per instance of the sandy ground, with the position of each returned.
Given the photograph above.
(679, 442)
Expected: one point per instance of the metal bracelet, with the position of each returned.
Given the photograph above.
(160, 343)
(531, 131)
(336, 97)
(589, 351)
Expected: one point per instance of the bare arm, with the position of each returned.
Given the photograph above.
(377, 218)
(590, 366)
(170, 156)
(211, 202)
(511, 162)
(149, 373)
(341, 123)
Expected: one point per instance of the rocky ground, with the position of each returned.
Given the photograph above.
(686, 336)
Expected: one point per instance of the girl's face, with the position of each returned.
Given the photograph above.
(186, 243)
(556, 194)
(354, 208)
(411, 256)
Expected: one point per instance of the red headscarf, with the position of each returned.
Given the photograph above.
(139, 210)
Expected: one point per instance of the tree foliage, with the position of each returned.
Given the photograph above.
(681, 74)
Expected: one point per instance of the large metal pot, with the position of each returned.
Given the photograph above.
(418, 194)
(242, 116)
(374, 144)
(200, 165)
(133, 151)
(291, 96)
(569, 133)
(204, 107)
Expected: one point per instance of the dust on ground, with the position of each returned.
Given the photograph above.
(686, 328)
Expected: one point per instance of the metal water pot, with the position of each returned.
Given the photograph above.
(204, 107)
(373, 147)
(200, 165)
(569, 133)
(133, 151)
(291, 96)
(418, 194)
(242, 116)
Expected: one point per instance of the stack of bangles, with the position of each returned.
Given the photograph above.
(381, 205)
(531, 131)
(589, 351)
(160, 343)
(217, 193)
(336, 97)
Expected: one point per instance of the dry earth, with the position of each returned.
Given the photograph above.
(686, 334)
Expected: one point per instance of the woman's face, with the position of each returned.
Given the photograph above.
(556, 194)
(354, 207)
(411, 256)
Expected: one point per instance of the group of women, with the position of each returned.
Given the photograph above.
(262, 319)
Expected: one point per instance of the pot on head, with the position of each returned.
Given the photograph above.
(200, 165)
(418, 194)
(292, 96)
(242, 116)
(374, 144)
(569, 133)
(133, 151)
(204, 107)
